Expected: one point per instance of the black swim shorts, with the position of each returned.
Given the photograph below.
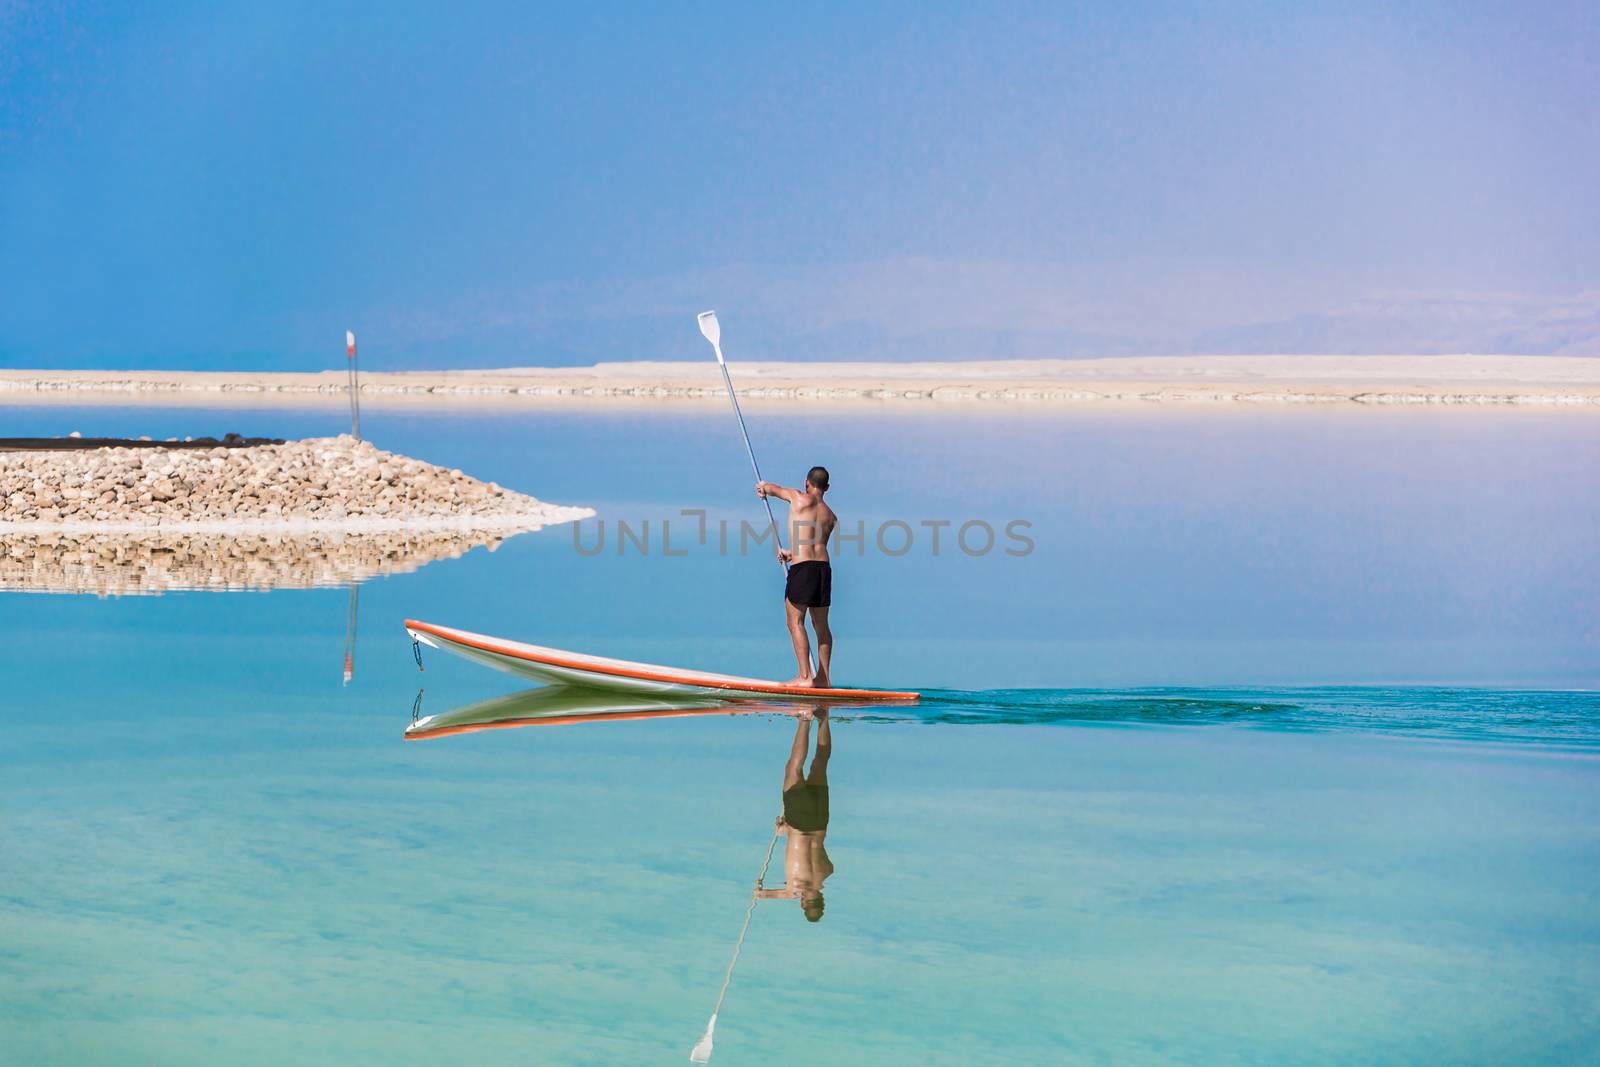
(805, 807)
(810, 584)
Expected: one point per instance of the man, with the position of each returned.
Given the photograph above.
(805, 819)
(810, 586)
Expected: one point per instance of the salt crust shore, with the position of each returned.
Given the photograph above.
(303, 487)
(1382, 381)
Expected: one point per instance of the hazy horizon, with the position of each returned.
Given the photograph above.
(233, 186)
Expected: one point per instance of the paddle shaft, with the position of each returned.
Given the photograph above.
(734, 397)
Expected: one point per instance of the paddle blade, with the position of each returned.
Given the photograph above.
(349, 343)
(702, 1051)
(711, 329)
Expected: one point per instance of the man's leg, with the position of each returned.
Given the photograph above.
(819, 623)
(819, 762)
(795, 768)
(802, 644)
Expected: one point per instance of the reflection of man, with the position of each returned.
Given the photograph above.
(805, 819)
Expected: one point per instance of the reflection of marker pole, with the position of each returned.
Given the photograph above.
(354, 375)
(701, 1053)
(350, 638)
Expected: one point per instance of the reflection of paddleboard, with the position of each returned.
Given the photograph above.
(555, 705)
(598, 672)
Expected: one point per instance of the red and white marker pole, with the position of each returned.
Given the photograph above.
(354, 374)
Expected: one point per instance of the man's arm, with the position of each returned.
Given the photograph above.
(774, 489)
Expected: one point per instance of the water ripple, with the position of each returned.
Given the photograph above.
(1560, 718)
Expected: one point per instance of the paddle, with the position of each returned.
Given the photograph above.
(701, 1053)
(713, 333)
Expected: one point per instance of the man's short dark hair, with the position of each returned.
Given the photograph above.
(817, 477)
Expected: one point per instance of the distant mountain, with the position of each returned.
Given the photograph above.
(1425, 325)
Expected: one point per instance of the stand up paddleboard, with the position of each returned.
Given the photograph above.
(558, 667)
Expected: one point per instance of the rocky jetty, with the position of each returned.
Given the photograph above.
(150, 563)
(314, 485)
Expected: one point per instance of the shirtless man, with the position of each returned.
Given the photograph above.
(810, 586)
(805, 819)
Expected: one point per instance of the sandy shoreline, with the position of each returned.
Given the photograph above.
(1539, 382)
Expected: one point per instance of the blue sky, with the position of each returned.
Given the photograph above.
(232, 185)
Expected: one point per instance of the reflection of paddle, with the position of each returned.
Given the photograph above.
(702, 1051)
(713, 333)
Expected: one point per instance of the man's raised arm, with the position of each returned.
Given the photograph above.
(774, 489)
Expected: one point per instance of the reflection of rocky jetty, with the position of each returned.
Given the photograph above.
(319, 485)
(127, 564)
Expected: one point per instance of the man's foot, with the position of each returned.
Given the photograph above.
(804, 681)
(821, 682)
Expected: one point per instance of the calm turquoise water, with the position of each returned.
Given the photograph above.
(1274, 750)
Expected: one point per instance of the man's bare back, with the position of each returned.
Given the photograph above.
(809, 589)
(811, 523)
